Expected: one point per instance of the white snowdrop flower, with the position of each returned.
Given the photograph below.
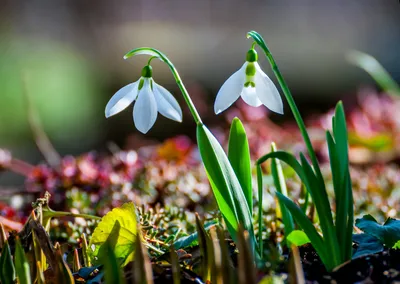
(150, 97)
(250, 83)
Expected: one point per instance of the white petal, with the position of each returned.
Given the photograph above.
(267, 92)
(230, 90)
(166, 103)
(145, 109)
(122, 99)
(250, 97)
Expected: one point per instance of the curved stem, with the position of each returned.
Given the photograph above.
(261, 43)
(150, 59)
(156, 53)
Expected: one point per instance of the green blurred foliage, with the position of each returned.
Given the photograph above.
(62, 86)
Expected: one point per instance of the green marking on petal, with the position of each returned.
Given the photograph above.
(250, 69)
(250, 84)
(141, 83)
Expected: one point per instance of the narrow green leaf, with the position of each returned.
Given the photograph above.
(321, 201)
(142, 269)
(226, 187)
(341, 139)
(7, 269)
(280, 185)
(239, 157)
(175, 267)
(288, 159)
(186, 241)
(111, 266)
(204, 243)
(375, 69)
(63, 274)
(246, 268)
(260, 209)
(21, 264)
(298, 238)
(226, 268)
(338, 153)
(307, 226)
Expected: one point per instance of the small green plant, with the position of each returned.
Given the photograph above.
(335, 245)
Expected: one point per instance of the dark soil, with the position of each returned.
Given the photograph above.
(382, 268)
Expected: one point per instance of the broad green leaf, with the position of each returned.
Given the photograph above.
(21, 264)
(124, 240)
(308, 227)
(239, 157)
(7, 269)
(367, 244)
(298, 238)
(388, 233)
(396, 245)
(224, 183)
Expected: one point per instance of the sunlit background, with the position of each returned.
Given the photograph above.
(67, 56)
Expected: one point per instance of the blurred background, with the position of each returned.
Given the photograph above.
(67, 56)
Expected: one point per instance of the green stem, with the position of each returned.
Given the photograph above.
(156, 53)
(149, 246)
(261, 43)
(260, 200)
(70, 214)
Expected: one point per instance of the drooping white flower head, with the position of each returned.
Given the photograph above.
(250, 83)
(150, 97)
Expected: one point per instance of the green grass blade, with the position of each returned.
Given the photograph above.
(112, 270)
(205, 250)
(305, 223)
(21, 264)
(280, 184)
(142, 267)
(7, 269)
(376, 70)
(246, 268)
(260, 209)
(225, 185)
(175, 267)
(239, 157)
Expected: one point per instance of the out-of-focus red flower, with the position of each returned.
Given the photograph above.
(176, 149)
